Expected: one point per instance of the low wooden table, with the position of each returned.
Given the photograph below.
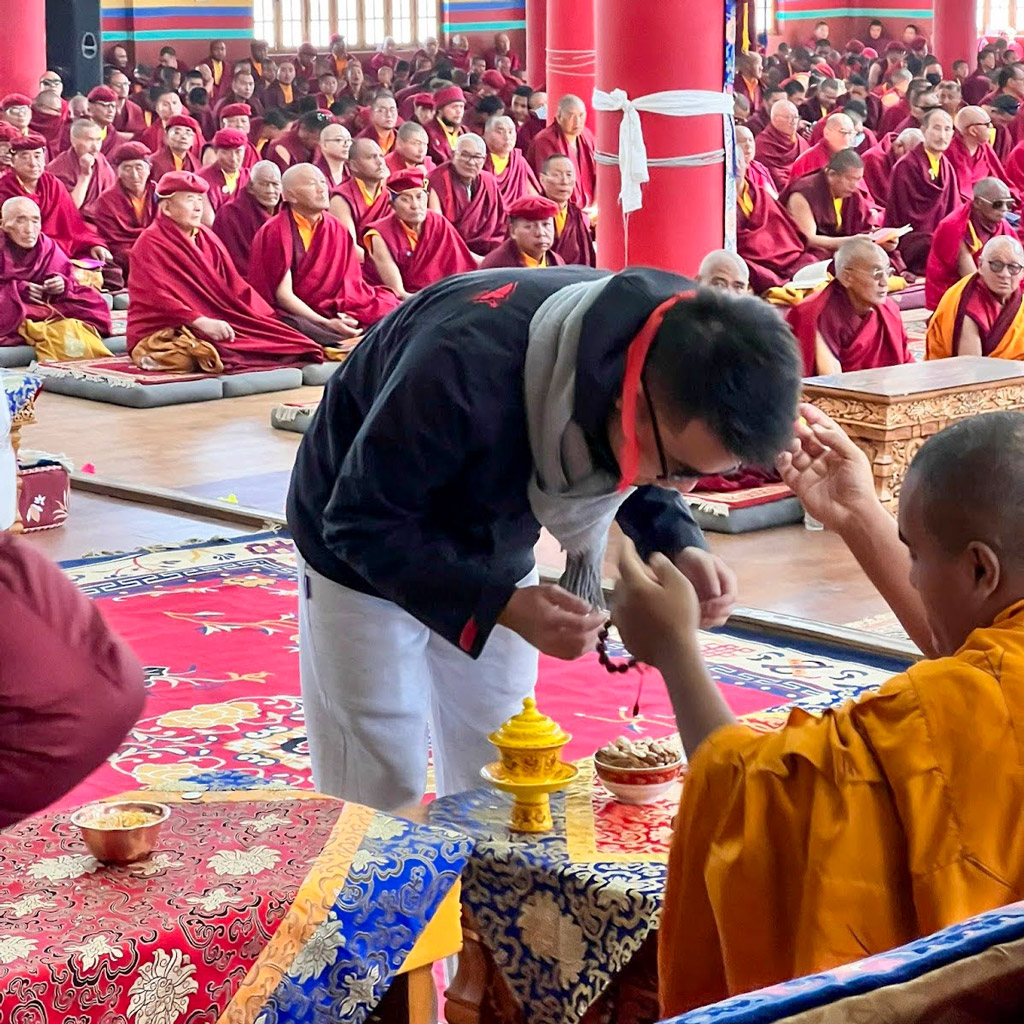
(890, 412)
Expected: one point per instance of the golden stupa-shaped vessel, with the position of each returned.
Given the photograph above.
(531, 766)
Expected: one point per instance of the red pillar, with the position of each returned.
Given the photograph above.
(570, 53)
(955, 32)
(23, 58)
(536, 41)
(682, 215)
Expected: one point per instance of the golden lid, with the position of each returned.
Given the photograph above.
(529, 730)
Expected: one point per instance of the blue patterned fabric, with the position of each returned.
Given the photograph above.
(20, 389)
(895, 967)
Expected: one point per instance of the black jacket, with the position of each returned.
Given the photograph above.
(411, 482)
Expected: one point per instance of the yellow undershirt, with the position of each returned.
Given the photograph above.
(975, 243)
(103, 134)
(452, 134)
(933, 162)
(500, 163)
(367, 198)
(746, 200)
(230, 183)
(560, 218)
(286, 92)
(838, 204)
(260, 143)
(179, 162)
(217, 67)
(305, 229)
(386, 142)
(257, 67)
(410, 235)
(139, 206)
(991, 136)
(529, 261)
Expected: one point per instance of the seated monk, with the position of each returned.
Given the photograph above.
(981, 314)
(37, 279)
(178, 150)
(724, 270)
(767, 240)
(16, 110)
(468, 196)
(445, 128)
(167, 104)
(50, 115)
(923, 190)
(127, 208)
(748, 78)
(228, 174)
(960, 237)
(129, 117)
(239, 219)
(838, 135)
(511, 170)
(851, 324)
(190, 309)
(569, 136)
(413, 247)
(335, 145)
(859, 829)
(304, 264)
(756, 171)
(83, 169)
(779, 146)
(574, 236)
(238, 117)
(363, 198)
(880, 160)
(299, 142)
(383, 118)
(8, 135)
(970, 153)
(411, 142)
(102, 111)
(531, 229)
(823, 102)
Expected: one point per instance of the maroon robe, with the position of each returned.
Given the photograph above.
(439, 252)
(363, 214)
(115, 218)
(20, 267)
(1004, 143)
(288, 141)
(894, 116)
(326, 276)
(236, 224)
(778, 153)
(111, 140)
(975, 88)
(769, 242)
(527, 132)
(878, 164)
(162, 161)
(274, 96)
(971, 169)
(386, 143)
(516, 180)
(812, 111)
(130, 119)
(916, 200)
(859, 342)
(439, 149)
(181, 279)
(855, 212)
(867, 142)
(253, 102)
(50, 126)
(215, 176)
(479, 217)
(575, 243)
(61, 219)
(65, 168)
(322, 165)
(492, 55)
(754, 95)
(155, 137)
(396, 163)
(222, 77)
(508, 254)
(552, 141)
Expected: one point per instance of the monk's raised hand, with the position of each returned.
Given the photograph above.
(86, 163)
(35, 292)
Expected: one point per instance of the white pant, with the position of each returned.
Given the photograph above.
(375, 680)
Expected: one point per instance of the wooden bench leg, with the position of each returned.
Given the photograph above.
(422, 995)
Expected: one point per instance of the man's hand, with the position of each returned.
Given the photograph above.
(828, 473)
(86, 164)
(101, 253)
(53, 285)
(654, 607)
(553, 620)
(215, 330)
(35, 292)
(344, 325)
(714, 582)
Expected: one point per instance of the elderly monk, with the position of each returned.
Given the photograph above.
(102, 110)
(445, 128)
(191, 309)
(411, 143)
(880, 160)
(748, 78)
(469, 197)
(304, 264)
(981, 314)
(83, 169)
(923, 190)
(363, 198)
(531, 229)
(167, 105)
(383, 118)
(724, 270)
(838, 135)
(7, 137)
(779, 146)
(510, 168)
(569, 136)
(238, 117)
(574, 235)
(960, 237)
(178, 150)
(970, 152)
(335, 146)
(888, 818)
(241, 217)
(37, 279)
(851, 324)
(299, 143)
(756, 171)
(412, 246)
(123, 211)
(16, 110)
(227, 174)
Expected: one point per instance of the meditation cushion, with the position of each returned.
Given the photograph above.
(16, 355)
(294, 416)
(756, 508)
(284, 378)
(318, 373)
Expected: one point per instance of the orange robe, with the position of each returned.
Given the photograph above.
(1001, 326)
(848, 834)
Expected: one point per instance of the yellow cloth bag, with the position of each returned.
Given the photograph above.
(58, 339)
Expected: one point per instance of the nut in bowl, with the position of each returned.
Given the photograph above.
(639, 771)
(120, 832)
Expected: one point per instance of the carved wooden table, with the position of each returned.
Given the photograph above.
(891, 411)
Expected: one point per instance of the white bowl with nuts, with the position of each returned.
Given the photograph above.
(639, 771)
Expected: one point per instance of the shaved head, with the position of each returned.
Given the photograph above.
(410, 130)
(265, 184)
(969, 116)
(47, 102)
(856, 250)
(15, 206)
(724, 270)
(785, 117)
(305, 189)
(991, 189)
(744, 134)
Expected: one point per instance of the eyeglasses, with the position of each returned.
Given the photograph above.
(999, 204)
(978, 124)
(998, 266)
(882, 274)
(50, 81)
(680, 475)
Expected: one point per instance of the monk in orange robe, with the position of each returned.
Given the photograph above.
(568, 134)
(383, 121)
(981, 315)
(410, 150)
(83, 169)
(227, 175)
(444, 129)
(748, 79)
(178, 149)
(847, 833)
(239, 220)
(779, 146)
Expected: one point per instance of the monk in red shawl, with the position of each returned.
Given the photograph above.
(282, 91)
(413, 247)
(335, 146)
(243, 90)
(37, 279)
(304, 263)
(299, 143)
(123, 211)
(779, 146)
(83, 169)
(531, 230)
(748, 79)
(569, 135)
(982, 315)
(924, 190)
(228, 174)
(838, 135)
(191, 309)
(851, 324)
(445, 128)
(363, 198)
(574, 236)
(177, 153)
(502, 48)
(129, 118)
(469, 196)
(220, 69)
(880, 160)
(970, 153)
(823, 102)
(383, 120)
(960, 237)
(410, 150)
(511, 170)
(48, 120)
(238, 220)
(168, 105)
(757, 173)
(978, 85)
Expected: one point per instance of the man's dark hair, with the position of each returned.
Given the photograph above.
(732, 363)
(873, 22)
(158, 90)
(168, 51)
(855, 107)
(488, 106)
(792, 88)
(971, 477)
(914, 65)
(858, 80)
(344, 105)
(475, 79)
(198, 97)
(845, 160)
(960, 61)
(823, 42)
(276, 118)
(523, 90)
(444, 69)
(930, 60)
(1007, 75)
(315, 121)
(401, 66)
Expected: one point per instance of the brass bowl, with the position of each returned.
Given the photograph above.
(120, 845)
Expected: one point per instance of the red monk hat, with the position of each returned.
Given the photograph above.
(919, 42)
(15, 99)
(236, 110)
(495, 79)
(130, 151)
(854, 46)
(424, 99)
(893, 48)
(183, 121)
(26, 143)
(229, 138)
(450, 94)
(870, 53)
(180, 181)
(532, 208)
(102, 94)
(8, 133)
(409, 180)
